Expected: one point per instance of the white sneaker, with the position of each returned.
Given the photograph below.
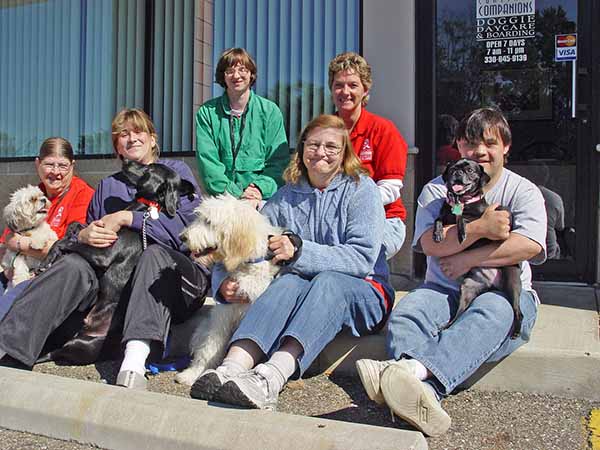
(208, 384)
(413, 400)
(131, 380)
(253, 389)
(370, 371)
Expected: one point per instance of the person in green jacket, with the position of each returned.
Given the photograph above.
(241, 145)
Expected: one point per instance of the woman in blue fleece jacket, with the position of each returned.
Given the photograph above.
(335, 273)
(60, 298)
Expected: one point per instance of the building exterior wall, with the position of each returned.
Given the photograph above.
(389, 46)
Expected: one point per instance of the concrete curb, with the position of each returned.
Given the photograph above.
(117, 418)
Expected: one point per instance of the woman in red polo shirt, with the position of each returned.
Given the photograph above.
(376, 140)
(69, 197)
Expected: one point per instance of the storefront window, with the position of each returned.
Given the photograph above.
(292, 43)
(67, 66)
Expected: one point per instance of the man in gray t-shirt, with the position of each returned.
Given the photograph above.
(429, 362)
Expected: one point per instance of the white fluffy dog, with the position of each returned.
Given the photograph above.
(232, 232)
(26, 214)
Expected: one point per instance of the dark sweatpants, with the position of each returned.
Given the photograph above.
(166, 286)
(68, 287)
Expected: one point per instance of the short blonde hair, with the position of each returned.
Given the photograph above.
(351, 165)
(139, 121)
(355, 63)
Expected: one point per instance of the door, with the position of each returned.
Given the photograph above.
(531, 59)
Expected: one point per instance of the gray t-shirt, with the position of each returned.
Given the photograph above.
(519, 195)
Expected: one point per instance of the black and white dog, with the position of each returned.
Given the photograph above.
(465, 202)
(158, 188)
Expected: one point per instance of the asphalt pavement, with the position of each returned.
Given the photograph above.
(480, 420)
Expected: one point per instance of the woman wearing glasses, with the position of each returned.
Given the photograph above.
(69, 196)
(241, 144)
(334, 277)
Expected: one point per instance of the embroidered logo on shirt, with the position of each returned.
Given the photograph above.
(57, 217)
(366, 152)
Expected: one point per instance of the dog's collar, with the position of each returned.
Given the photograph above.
(153, 207)
(260, 259)
(458, 204)
(464, 199)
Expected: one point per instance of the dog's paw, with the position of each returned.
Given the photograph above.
(438, 231)
(188, 376)
(517, 327)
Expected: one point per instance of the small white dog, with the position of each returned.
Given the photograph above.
(26, 214)
(232, 232)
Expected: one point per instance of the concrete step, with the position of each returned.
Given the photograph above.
(118, 418)
(562, 358)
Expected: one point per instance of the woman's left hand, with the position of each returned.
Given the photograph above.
(282, 247)
(117, 220)
(12, 240)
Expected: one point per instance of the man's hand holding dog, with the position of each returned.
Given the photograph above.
(494, 224)
(282, 248)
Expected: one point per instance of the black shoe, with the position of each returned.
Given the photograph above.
(9, 361)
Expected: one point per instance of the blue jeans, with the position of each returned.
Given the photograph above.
(311, 311)
(481, 334)
(394, 233)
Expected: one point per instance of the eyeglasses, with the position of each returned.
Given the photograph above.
(241, 70)
(61, 167)
(331, 149)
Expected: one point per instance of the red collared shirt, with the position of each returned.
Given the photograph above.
(382, 151)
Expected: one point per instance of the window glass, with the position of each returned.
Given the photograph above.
(67, 66)
(292, 43)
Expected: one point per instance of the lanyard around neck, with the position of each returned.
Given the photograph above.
(236, 148)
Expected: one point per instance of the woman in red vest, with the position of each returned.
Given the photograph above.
(376, 140)
(69, 196)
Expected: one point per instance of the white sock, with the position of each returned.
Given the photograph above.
(420, 370)
(136, 353)
(231, 367)
(285, 366)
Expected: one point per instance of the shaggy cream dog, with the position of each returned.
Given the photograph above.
(26, 214)
(231, 232)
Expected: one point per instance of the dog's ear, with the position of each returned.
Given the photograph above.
(170, 196)
(447, 171)
(187, 188)
(238, 232)
(132, 171)
(238, 243)
(484, 178)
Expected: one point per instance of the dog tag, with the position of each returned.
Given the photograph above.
(153, 212)
(457, 209)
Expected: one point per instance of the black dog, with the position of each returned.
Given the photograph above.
(158, 188)
(465, 180)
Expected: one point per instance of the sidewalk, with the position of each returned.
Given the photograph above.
(563, 358)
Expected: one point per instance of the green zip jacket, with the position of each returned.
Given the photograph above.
(260, 158)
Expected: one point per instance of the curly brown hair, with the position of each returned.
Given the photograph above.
(351, 165)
